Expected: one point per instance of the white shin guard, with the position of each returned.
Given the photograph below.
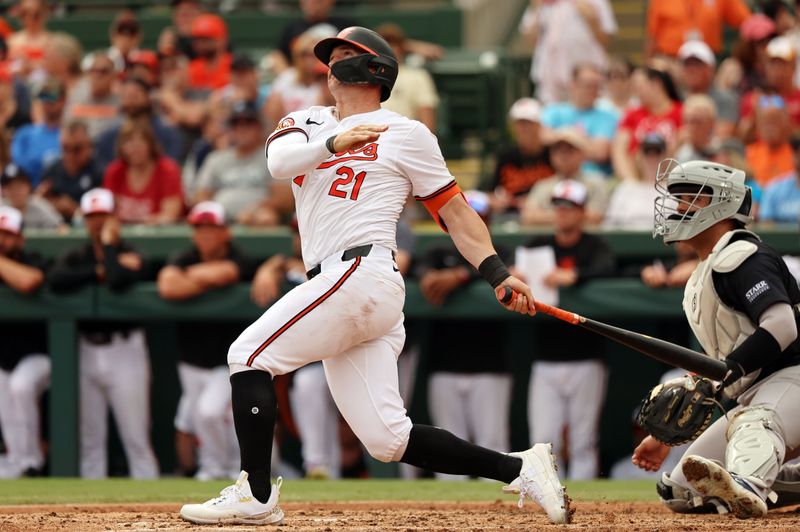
(755, 447)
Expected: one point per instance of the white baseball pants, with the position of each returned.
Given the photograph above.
(473, 406)
(116, 375)
(317, 420)
(571, 394)
(205, 411)
(20, 390)
(350, 316)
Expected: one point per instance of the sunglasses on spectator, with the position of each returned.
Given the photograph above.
(771, 101)
(127, 28)
(73, 148)
(653, 150)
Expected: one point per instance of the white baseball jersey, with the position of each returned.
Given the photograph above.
(355, 197)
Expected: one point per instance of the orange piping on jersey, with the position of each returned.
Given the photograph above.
(434, 202)
(282, 132)
(305, 311)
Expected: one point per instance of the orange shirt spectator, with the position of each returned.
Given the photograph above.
(211, 69)
(146, 185)
(670, 23)
(771, 156)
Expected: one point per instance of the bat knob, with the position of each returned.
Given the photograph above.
(508, 295)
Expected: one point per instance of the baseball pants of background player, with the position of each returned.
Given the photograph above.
(779, 392)
(116, 374)
(20, 390)
(317, 420)
(205, 411)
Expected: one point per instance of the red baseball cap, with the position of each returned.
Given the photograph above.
(209, 27)
(147, 58)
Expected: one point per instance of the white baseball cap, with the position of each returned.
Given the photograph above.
(526, 109)
(207, 213)
(10, 220)
(699, 50)
(570, 191)
(781, 48)
(97, 201)
(573, 135)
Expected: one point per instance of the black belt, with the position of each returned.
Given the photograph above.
(350, 254)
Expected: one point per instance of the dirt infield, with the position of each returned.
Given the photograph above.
(382, 516)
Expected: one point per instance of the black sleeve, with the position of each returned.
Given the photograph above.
(599, 260)
(539, 241)
(757, 284)
(183, 259)
(118, 277)
(71, 271)
(247, 265)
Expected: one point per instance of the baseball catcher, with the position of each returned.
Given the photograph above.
(742, 305)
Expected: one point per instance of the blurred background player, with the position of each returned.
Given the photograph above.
(568, 378)
(204, 410)
(114, 363)
(37, 213)
(24, 364)
(469, 393)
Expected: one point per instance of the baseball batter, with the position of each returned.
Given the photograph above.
(742, 304)
(352, 166)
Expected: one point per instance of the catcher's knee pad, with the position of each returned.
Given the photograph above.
(752, 450)
(685, 501)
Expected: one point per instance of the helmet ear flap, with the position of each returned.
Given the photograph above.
(747, 203)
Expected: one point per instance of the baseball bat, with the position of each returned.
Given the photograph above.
(667, 352)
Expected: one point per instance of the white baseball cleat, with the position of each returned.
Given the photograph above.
(712, 480)
(236, 505)
(538, 480)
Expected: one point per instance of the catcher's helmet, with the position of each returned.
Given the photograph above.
(377, 65)
(680, 187)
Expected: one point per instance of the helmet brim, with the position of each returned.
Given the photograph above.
(324, 48)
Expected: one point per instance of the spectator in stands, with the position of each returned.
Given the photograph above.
(659, 112)
(618, 87)
(146, 184)
(568, 147)
(214, 137)
(72, 175)
(237, 177)
(414, 93)
(62, 60)
(781, 12)
(37, 213)
(630, 207)
(177, 39)
(698, 63)
(568, 378)
(469, 394)
(582, 111)
(26, 47)
(114, 364)
(699, 119)
(204, 410)
(302, 85)
(564, 34)
(15, 101)
(750, 51)
(126, 36)
(670, 24)
(771, 155)
(143, 64)
(521, 166)
(94, 100)
(673, 273)
(244, 87)
(185, 107)
(34, 146)
(24, 364)
(211, 67)
(136, 104)
(780, 202)
(779, 81)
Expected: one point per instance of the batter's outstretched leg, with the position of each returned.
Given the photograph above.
(250, 500)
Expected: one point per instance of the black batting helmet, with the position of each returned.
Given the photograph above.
(377, 65)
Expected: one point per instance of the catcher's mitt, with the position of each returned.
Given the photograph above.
(679, 410)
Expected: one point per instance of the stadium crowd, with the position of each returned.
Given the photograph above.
(127, 135)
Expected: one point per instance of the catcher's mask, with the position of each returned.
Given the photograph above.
(377, 65)
(695, 195)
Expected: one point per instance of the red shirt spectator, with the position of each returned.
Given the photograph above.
(146, 185)
(641, 122)
(211, 69)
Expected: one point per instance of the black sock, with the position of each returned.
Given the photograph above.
(441, 451)
(254, 412)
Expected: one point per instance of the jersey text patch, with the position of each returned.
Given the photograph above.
(759, 288)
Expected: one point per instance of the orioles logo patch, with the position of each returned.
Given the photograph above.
(286, 122)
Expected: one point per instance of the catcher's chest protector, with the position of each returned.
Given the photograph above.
(718, 328)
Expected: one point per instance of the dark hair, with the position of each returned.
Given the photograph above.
(772, 8)
(667, 83)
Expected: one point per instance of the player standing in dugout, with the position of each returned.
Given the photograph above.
(352, 167)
